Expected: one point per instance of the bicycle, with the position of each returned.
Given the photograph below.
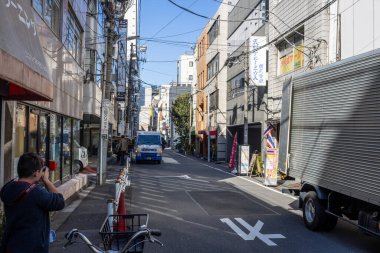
(115, 231)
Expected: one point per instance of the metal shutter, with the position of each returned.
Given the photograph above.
(335, 127)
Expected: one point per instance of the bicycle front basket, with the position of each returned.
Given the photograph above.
(117, 229)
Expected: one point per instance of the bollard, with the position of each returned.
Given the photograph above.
(110, 211)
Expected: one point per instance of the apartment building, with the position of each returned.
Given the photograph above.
(247, 25)
(216, 83)
(201, 97)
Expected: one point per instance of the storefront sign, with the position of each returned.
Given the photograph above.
(258, 61)
(19, 35)
(104, 122)
(271, 166)
(244, 159)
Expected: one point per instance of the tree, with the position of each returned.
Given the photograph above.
(180, 117)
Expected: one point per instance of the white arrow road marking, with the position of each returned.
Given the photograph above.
(253, 231)
(184, 177)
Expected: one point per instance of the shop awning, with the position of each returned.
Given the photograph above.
(23, 69)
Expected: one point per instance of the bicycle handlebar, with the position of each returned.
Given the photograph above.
(73, 234)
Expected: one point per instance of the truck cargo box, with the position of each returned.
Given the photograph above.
(330, 127)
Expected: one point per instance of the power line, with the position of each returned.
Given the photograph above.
(290, 29)
(209, 18)
(171, 21)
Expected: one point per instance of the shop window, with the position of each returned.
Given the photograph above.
(76, 142)
(290, 53)
(33, 134)
(42, 136)
(73, 41)
(66, 149)
(55, 146)
(20, 135)
(50, 11)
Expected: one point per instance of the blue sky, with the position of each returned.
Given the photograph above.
(161, 15)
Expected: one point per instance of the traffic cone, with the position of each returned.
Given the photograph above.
(121, 211)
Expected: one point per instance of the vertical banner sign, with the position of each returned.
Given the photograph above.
(244, 159)
(257, 61)
(231, 164)
(104, 122)
(271, 166)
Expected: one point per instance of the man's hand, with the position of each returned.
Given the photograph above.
(45, 177)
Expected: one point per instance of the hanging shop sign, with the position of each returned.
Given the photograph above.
(105, 112)
(258, 61)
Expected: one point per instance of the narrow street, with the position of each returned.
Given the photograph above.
(200, 207)
(192, 202)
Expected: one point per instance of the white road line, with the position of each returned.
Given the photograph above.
(243, 178)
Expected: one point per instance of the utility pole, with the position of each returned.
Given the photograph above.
(246, 83)
(106, 96)
(130, 88)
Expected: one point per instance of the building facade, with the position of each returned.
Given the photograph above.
(200, 95)
(216, 84)
(294, 50)
(42, 85)
(246, 32)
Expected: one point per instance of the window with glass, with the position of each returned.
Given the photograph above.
(191, 63)
(33, 134)
(76, 145)
(20, 132)
(291, 53)
(213, 67)
(235, 86)
(55, 145)
(73, 41)
(190, 77)
(50, 11)
(213, 32)
(42, 136)
(66, 149)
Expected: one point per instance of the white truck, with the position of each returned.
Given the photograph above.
(330, 141)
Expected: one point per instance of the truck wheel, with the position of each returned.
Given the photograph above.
(314, 215)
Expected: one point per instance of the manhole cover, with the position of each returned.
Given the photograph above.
(228, 203)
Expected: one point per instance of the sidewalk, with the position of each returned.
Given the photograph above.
(87, 213)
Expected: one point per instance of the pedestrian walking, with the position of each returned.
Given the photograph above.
(27, 205)
(123, 149)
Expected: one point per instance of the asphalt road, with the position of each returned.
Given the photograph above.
(199, 207)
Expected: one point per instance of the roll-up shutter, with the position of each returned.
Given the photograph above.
(335, 127)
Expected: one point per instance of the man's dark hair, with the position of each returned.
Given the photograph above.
(28, 164)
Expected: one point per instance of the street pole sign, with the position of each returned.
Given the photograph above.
(104, 122)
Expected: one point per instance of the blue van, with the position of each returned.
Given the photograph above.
(148, 147)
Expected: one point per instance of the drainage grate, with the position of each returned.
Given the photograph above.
(228, 203)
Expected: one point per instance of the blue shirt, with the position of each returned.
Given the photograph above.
(27, 218)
